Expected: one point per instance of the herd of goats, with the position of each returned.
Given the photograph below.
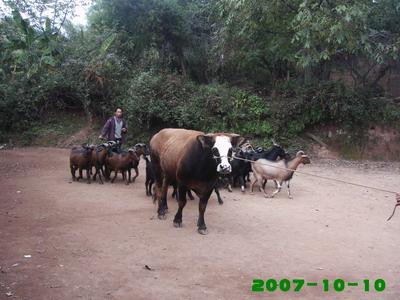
(189, 161)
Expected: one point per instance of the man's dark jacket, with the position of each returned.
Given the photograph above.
(108, 131)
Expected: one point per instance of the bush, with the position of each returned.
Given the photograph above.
(163, 100)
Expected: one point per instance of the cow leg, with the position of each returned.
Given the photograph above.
(216, 190)
(182, 191)
(201, 225)
(129, 173)
(242, 184)
(190, 195)
(175, 192)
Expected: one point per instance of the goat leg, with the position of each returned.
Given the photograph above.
(264, 183)
(80, 174)
(136, 175)
(73, 170)
(150, 187)
(115, 176)
(252, 184)
(279, 185)
(98, 171)
(126, 177)
(394, 210)
(230, 183)
(106, 173)
(288, 189)
(88, 174)
(146, 185)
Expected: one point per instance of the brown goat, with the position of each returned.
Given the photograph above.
(140, 150)
(99, 159)
(81, 158)
(121, 163)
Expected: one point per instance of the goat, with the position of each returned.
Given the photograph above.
(81, 158)
(276, 170)
(241, 169)
(140, 150)
(121, 163)
(150, 177)
(99, 158)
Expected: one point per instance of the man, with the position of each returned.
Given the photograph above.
(115, 129)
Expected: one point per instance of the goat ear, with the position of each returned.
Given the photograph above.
(237, 140)
(206, 140)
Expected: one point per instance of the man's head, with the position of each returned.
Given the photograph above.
(118, 112)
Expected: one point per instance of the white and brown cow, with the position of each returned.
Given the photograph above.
(192, 160)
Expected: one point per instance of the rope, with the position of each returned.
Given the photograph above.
(319, 176)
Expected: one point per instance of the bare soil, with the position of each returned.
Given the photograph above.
(93, 241)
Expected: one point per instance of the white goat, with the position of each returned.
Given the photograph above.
(265, 169)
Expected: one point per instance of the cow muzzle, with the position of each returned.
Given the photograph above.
(224, 168)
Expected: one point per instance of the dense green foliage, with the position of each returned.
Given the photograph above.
(260, 68)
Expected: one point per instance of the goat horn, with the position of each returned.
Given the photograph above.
(301, 152)
(274, 142)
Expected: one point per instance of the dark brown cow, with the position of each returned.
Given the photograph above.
(192, 160)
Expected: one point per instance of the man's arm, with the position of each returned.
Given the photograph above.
(105, 129)
(124, 127)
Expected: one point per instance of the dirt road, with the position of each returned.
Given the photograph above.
(93, 241)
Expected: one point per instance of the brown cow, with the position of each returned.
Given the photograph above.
(192, 160)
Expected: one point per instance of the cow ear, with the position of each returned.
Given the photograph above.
(206, 141)
(237, 140)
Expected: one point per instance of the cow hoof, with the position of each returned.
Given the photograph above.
(202, 231)
(162, 217)
(290, 197)
(177, 224)
(221, 202)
